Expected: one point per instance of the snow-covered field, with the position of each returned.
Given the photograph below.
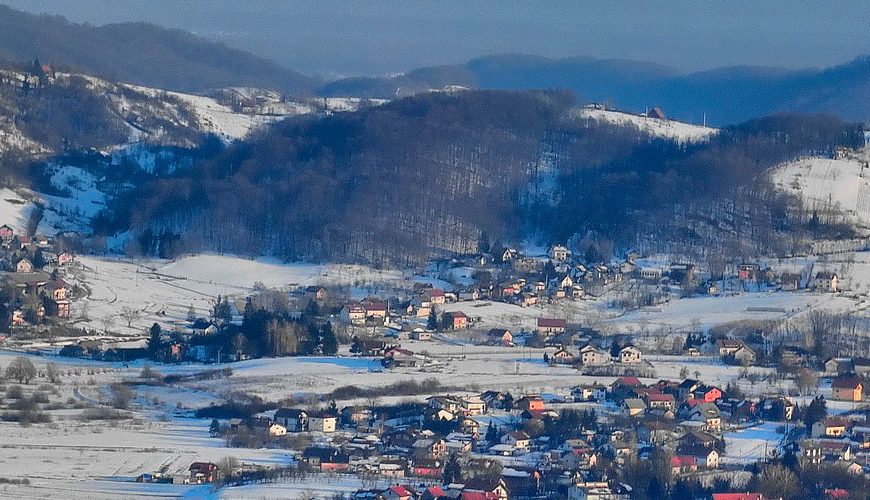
(14, 210)
(162, 291)
(825, 182)
(710, 311)
(749, 445)
(221, 120)
(679, 131)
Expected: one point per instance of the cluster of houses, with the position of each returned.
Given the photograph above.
(29, 268)
(410, 445)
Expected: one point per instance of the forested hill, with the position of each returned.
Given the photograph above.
(139, 53)
(725, 96)
(444, 173)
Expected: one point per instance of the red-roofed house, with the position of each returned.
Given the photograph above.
(434, 493)
(202, 472)
(738, 496)
(460, 320)
(436, 296)
(681, 464)
(398, 492)
(530, 403)
(659, 400)
(6, 233)
(552, 325)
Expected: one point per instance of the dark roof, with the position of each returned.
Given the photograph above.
(846, 382)
(329, 455)
(483, 483)
(289, 413)
(552, 323)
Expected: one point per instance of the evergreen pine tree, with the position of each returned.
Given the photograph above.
(154, 342)
(215, 428)
(491, 434)
(432, 322)
(452, 469)
(328, 339)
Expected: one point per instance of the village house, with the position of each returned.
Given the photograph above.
(500, 336)
(861, 436)
(421, 335)
(322, 422)
(559, 253)
(24, 266)
(727, 347)
(747, 272)
(6, 233)
(708, 414)
(790, 281)
(497, 399)
(63, 308)
(659, 400)
(651, 274)
(630, 354)
(809, 452)
(458, 320)
(682, 464)
(325, 459)
(826, 281)
(847, 388)
(65, 258)
(594, 392)
(316, 292)
(354, 314)
(275, 430)
(56, 289)
(633, 407)
(356, 416)
(562, 357)
(829, 428)
(531, 403)
(375, 310)
(551, 326)
(202, 472)
(839, 366)
(436, 296)
(430, 448)
(446, 403)
(492, 488)
(424, 467)
(396, 357)
(473, 406)
(591, 356)
(293, 419)
(519, 440)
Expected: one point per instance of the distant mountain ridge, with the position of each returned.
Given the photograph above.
(140, 53)
(724, 95)
(171, 59)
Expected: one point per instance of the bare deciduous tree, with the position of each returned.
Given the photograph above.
(130, 315)
(21, 369)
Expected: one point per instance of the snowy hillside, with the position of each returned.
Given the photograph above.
(214, 117)
(14, 210)
(74, 209)
(830, 183)
(679, 131)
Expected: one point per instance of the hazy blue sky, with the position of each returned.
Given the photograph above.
(376, 37)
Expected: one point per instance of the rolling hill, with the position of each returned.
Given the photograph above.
(139, 53)
(725, 96)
